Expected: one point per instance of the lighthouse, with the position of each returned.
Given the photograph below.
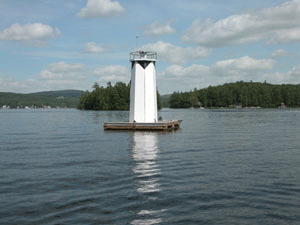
(143, 96)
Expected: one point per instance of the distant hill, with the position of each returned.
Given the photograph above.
(65, 93)
(63, 98)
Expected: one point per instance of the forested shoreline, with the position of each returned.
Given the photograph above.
(115, 97)
(243, 94)
(62, 99)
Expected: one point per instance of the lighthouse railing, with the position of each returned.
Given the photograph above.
(143, 55)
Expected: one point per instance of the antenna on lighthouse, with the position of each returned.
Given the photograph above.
(137, 42)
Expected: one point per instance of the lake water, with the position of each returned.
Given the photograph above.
(221, 167)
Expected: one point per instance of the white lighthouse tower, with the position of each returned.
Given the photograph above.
(143, 99)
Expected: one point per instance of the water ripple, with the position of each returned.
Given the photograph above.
(221, 167)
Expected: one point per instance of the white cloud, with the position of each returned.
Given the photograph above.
(92, 47)
(291, 77)
(177, 71)
(176, 54)
(8, 84)
(281, 53)
(63, 71)
(242, 65)
(280, 24)
(61, 76)
(29, 32)
(158, 29)
(244, 68)
(112, 73)
(101, 8)
(294, 75)
(196, 75)
(178, 78)
(57, 76)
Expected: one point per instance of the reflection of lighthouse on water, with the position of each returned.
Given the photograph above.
(144, 154)
(146, 172)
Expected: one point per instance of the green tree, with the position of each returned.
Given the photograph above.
(245, 93)
(115, 97)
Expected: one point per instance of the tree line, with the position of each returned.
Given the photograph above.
(245, 94)
(68, 98)
(115, 97)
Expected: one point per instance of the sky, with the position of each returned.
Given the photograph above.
(50, 45)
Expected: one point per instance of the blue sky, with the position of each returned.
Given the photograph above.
(70, 44)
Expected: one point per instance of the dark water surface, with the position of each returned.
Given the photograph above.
(221, 167)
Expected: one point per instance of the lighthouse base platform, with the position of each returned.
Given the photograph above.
(167, 125)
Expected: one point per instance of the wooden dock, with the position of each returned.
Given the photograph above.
(167, 125)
